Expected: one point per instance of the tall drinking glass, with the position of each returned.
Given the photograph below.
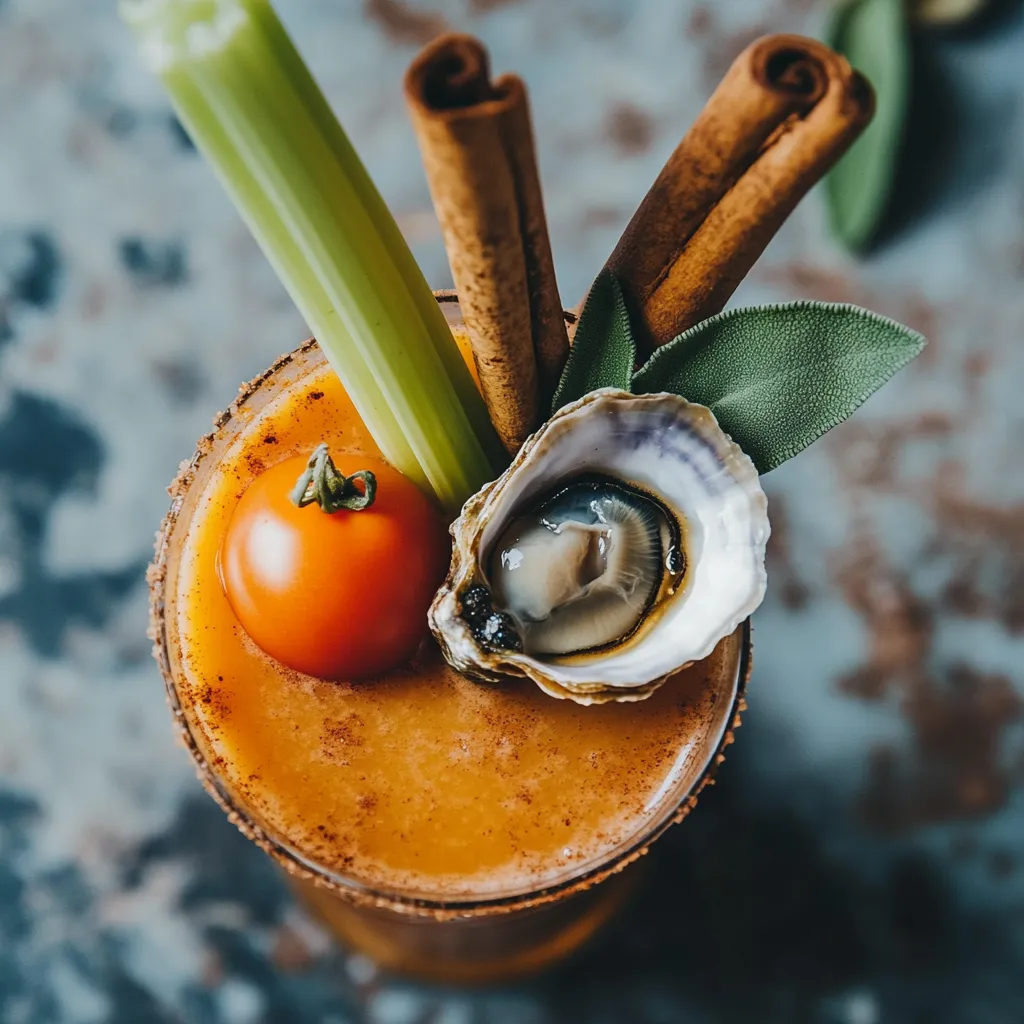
(450, 830)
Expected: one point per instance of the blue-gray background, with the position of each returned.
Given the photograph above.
(860, 860)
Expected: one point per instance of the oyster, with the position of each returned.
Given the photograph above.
(624, 542)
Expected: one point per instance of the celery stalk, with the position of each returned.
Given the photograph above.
(253, 109)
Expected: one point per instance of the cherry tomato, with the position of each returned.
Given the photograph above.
(338, 595)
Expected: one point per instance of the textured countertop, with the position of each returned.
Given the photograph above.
(861, 859)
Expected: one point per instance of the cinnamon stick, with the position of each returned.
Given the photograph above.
(788, 108)
(477, 145)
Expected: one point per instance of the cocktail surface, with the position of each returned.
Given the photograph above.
(421, 783)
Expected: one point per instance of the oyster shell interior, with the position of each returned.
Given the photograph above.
(625, 540)
(582, 569)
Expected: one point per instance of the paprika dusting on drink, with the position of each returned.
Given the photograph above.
(421, 782)
(330, 564)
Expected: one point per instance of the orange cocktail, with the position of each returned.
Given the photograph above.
(449, 828)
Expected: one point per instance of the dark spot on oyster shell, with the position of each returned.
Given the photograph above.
(493, 629)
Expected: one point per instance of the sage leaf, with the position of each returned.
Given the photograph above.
(778, 377)
(872, 35)
(603, 351)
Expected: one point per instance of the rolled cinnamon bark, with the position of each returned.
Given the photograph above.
(550, 342)
(477, 146)
(788, 108)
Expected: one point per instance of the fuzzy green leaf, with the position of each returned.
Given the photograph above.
(872, 35)
(778, 377)
(603, 351)
(946, 13)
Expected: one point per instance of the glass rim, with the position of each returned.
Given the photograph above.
(289, 858)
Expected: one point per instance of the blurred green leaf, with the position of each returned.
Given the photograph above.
(603, 351)
(778, 377)
(943, 13)
(872, 35)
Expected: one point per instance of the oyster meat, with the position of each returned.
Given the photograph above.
(582, 569)
(625, 540)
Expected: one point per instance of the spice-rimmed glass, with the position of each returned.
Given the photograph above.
(473, 931)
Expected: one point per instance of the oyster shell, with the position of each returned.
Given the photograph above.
(624, 542)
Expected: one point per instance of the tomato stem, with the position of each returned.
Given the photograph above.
(321, 483)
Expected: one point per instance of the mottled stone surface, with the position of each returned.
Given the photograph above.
(861, 860)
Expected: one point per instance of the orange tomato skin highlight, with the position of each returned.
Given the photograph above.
(341, 595)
